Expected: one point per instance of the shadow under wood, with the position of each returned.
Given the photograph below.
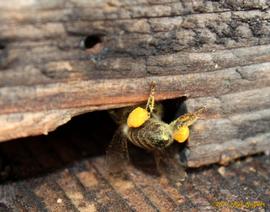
(85, 136)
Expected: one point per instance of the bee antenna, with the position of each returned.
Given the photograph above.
(151, 99)
(153, 86)
(200, 111)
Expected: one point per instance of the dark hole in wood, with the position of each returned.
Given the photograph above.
(91, 41)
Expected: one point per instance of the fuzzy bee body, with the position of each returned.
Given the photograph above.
(144, 128)
(153, 135)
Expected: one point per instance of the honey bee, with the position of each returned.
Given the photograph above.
(144, 128)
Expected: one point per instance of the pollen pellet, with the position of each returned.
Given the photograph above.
(182, 134)
(137, 117)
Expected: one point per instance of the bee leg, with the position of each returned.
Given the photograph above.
(169, 167)
(188, 119)
(151, 99)
(157, 156)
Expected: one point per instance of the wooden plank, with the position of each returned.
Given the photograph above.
(67, 58)
(236, 126)
(16, 125)
(227, 151)
(107, 92)
(28, 106)
(233, 103)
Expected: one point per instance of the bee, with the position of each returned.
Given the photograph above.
(144, 128)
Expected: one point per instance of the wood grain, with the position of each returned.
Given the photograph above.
(217, 53)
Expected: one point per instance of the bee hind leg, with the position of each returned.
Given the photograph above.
(169, 167)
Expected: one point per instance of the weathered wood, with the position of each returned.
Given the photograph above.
(79, 183)
(59, 59)
(227, 151)
(236, 126)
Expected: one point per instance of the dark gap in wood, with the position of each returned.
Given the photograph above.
(5, 168)
(173, 108)
(92, 131)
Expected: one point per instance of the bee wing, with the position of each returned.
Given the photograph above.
(170, 167)
(117, 153)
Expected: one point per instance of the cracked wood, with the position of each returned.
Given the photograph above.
(215, 52)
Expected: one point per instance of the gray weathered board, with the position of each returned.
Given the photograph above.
(61, 58)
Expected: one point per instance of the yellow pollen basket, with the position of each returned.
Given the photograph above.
(181, 134)
(137, 117)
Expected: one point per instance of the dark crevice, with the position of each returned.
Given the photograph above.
(174, 108)
(92, 132)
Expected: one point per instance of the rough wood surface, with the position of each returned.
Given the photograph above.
(215, 52)
(65, 171)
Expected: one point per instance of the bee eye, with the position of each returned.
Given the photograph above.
(137, 117)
